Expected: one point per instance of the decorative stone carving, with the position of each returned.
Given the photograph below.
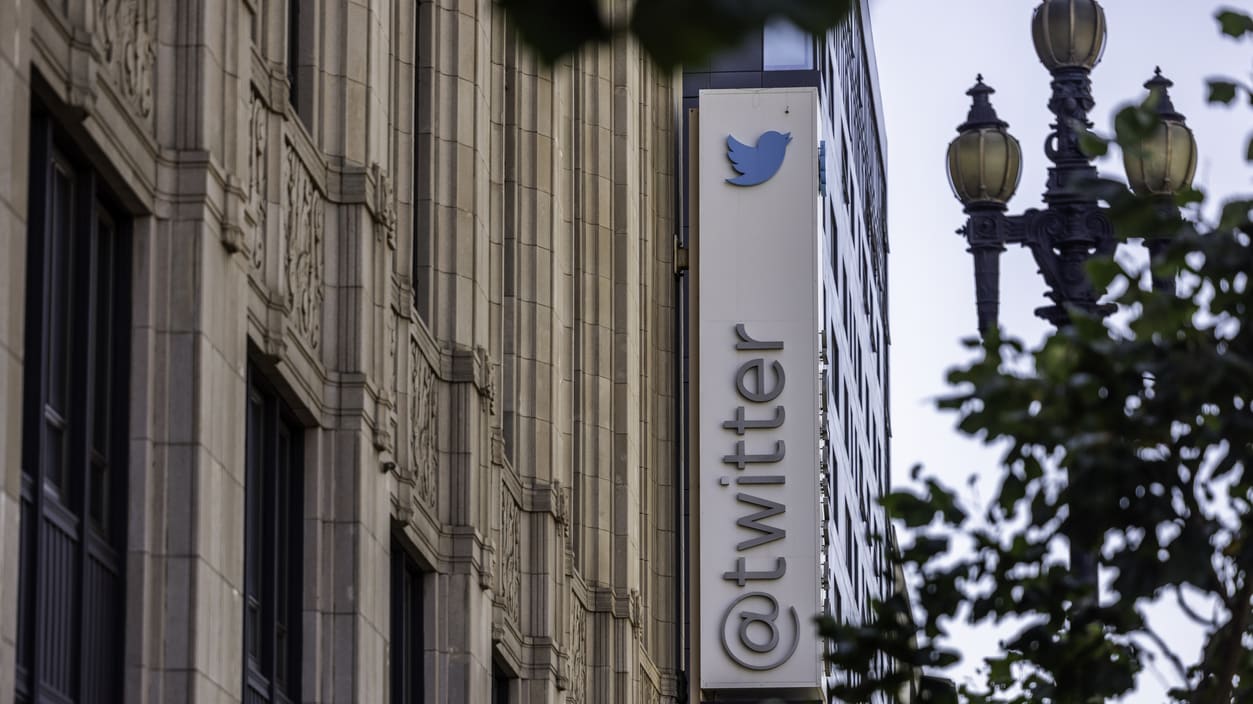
(302, 233)
(511, 557)
(257, 134)
(561, 508)
(487, 575)
(392, 374)
(385, 203)
(422, 405)
(577, 677)
(125, 27)
(493, 382)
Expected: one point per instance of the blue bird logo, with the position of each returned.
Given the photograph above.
(760, 163)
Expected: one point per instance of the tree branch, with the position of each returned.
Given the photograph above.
(1166, 651)
(1189, 612)
(1239, 608)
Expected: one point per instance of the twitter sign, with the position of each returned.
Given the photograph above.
(763, 540)
(759, 163)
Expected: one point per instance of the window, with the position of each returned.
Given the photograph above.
(421, 256)
(848, 178)
(273, 494)
(500, 685)
(786, 47)
(300, 75)
(849, 556)
(406, 636)
(293, 52)
(74, 408)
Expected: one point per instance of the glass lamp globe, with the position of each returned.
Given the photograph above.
(1069, 33)
(1164, 162)
(985, 160)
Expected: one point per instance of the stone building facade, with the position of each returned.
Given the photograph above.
(337, 358)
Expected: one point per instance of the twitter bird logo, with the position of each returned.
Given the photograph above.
(757, 164)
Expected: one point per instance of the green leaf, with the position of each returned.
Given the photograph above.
(910, 509)
(1193, 195)
(555, 28)
(1234, 24)
(1092, 145)
(1235, 213)
(671, 32)
(1134, 123)
(999, 671)
(689, 32)
(1221, 92)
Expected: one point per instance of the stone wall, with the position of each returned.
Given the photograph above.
(454, 263)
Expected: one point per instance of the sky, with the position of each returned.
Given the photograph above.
(928, 54)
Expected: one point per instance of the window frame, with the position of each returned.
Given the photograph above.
(407, 627)
(421, 255)
(273, 550)
(78, 288)
(300, 59)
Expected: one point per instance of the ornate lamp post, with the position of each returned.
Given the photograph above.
(984, 166)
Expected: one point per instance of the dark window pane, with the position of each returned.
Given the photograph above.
(406, 631)
(71, 582)
(98, 491)
(272, 494)
(293, 52)
(54, 450)
(500, 686)
(252, 517)
(104, 333)
(59, 239)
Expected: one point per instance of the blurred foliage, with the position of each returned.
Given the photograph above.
(1128, 443)
(672, 32)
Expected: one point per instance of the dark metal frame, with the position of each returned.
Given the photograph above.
(407, 628)
(72, 578)
(1066, 233)
(1072, 228)
(273, 531)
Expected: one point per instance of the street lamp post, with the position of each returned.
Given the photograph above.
(984, 167)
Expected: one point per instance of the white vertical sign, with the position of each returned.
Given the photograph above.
(758, 382)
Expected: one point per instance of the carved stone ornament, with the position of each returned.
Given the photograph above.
(129, 52)
(385, 421)
(257, 133)
(302, 234)
(493, 382)
(487, 580)
(561, 508)
(385, 203)
(635, 606)
(392, 375)
(422, 405)
(511, 557)
(577, 676)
